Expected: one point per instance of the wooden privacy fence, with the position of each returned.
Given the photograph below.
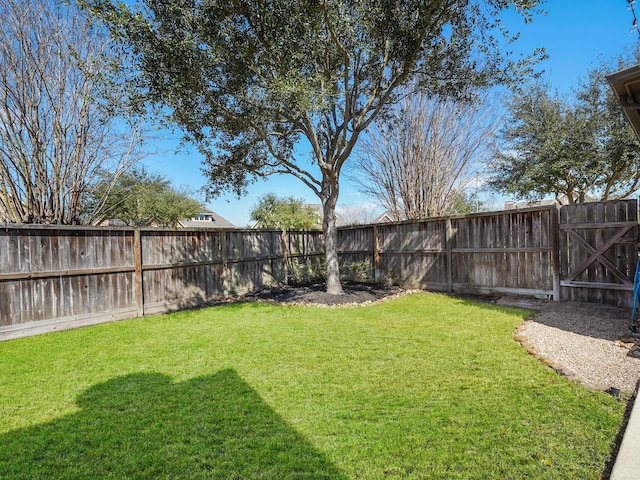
(509, 252)
(585, 252)
(53, 274)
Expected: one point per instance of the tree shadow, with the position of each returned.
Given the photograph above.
(597, 321)
(145, 426)
(590, 320)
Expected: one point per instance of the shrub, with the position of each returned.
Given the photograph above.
(306, 271)
(356, 271)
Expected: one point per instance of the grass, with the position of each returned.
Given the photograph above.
(425, 387)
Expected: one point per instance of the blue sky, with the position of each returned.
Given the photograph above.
(575, 33)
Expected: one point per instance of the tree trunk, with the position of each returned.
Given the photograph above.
(330, 230)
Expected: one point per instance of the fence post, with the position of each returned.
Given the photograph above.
(285, 241)
(137, 258)
(376, 255)
(448, 239)
(223, 254)
(555, 253)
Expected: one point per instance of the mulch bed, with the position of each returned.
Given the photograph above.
(315, 294)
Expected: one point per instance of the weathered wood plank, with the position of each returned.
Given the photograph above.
(598, 285)
(7, 293)
(65, 273)
(138, 262)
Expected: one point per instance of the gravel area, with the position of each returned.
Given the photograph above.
(588, 343)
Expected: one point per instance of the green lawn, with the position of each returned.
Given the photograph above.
(424, 387)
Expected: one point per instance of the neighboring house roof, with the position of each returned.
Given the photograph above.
(112, 222)
(558, 202)
(206, 218)
(389, 217)
(512, 205)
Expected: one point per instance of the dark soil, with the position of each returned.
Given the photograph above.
(354, 294)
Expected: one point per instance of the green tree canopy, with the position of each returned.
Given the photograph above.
(288, 86)
(578, 148)
(284, 214)
(465, 203)
(140, 198)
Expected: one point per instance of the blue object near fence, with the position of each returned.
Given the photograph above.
(636, 297)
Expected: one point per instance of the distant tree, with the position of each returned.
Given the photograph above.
(417, 161)
(358, 214)
(284, 213)
(251, 81)
(140, 198)
(55, 131)
(464, 203)
(578, 148)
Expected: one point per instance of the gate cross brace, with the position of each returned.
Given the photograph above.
(598, 254)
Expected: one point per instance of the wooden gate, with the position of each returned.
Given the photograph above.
(598, 252)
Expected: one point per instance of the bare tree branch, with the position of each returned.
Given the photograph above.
(417, 162)
(54, 134)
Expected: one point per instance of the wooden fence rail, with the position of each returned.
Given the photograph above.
(54, 274)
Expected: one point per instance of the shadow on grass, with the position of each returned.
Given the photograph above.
(597, 321)
(144, 426)
(589, 320)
